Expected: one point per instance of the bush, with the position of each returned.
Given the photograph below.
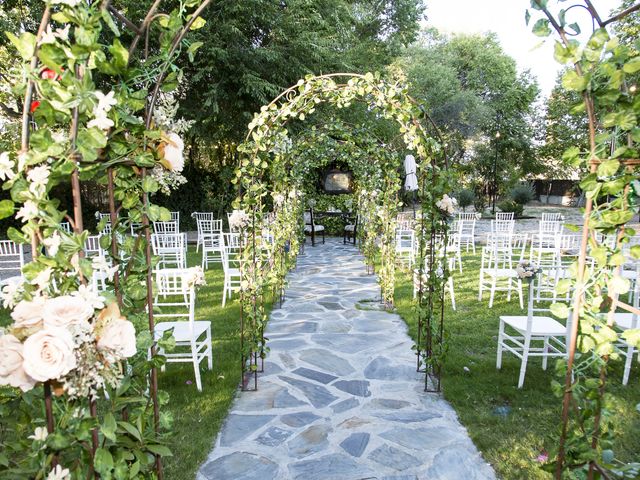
(511, 206)
(465, 198)
(522, 193)
(480, 203)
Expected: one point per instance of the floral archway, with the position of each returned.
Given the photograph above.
(265, 155)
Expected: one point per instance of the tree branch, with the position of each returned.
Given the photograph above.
(624, 13)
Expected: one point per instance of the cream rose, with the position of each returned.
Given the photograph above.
(119, 337)
(48, 354)
(65, 311)
(28, 314)
(11, 364)
(173, 152)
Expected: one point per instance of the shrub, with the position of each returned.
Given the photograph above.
(522, 193)
(465, 198)
(480, 203)
(511, 206)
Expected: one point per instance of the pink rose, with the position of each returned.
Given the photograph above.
(11, 364)
(65, 311)
(48, 354)
(119, 337)
(28, 314)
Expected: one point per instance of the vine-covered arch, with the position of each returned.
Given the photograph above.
(265, 151)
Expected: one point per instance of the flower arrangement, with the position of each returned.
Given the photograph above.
(447, 205)
(527, 270)
(194, 277)
(238, 220)
(67, 341)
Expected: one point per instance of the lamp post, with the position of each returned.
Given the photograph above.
(495, 176)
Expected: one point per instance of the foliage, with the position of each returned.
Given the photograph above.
(509, 206)
(465, 198)
(522, 193)
(84, 133)
(602, 69)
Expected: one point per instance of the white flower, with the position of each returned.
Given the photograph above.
(28, 211)
(194, 277)
(40, 434)
(100, 264)
(447, 204)
(43, 278)
(59, 473)
(52, 243)
(119, 337)
(22, 161)
(90, 296)
(6, 167)
(101, 121)
(172, 151)
(28, 314)
(39, 177)
(66, 310)
(11, 364)
(50, 35)
(238, 219)
(48, 354)
(278, 199)
(10, 293)
(105, 102)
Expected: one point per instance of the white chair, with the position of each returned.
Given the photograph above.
(405, 221)
(171, 248)
(502, 226)
(176, 299)
(65, 227)
(545, 242)
(230, 264)
(498, 264)
(405, 246)
(11, 261)
(505, 216)
(626, 321)
(520, 334)
(92, 247)
(466, 229)
(202, 216)
(106, 217)
(552, 217)
(210, 233)
(166, 227)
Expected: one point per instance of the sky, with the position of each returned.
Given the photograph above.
(506, 18)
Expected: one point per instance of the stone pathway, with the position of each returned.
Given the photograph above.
(340, 398)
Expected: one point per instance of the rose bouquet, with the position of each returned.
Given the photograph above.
(447, 205)
(72, 341)
(527, 270)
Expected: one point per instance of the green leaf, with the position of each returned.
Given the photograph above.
(575, 27)
(25, 44)
(527, 16)
(559, 310)
(632, 336)
(635, 251)
(572, 81)
(198, 23)
(108, 427)
(108, 19)
(608, 168)
(145, 159)
(150, 185)
(161, 450)
(619, 285)
(89, 141)
(130, 429)
(541, 28)
(120, 55)
(538, 4)
(193, 48)
(632, 66)
(6, 208)
(103, 461)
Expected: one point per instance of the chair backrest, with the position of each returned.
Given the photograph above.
(231, 245)
(65, 227)
(167, 242)
(505, 216)
(550, 227)
(11, 256)
(405, 240)
(174, 297)
(165, 227)
(551, 217)
(502, 226)
(175, 217)
(202, 216)
(92, 246)
(208, 226)
(466, 216)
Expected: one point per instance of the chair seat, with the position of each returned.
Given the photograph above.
(349, 228)
(539, 326)
(181, 329)
(316, 228)
(501, 272)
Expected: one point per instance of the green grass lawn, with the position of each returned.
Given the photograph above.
(510, 443)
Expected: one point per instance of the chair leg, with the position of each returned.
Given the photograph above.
(196, 366)
(493, 291)
(627, 365)
(545, 353)
(480, 284)
(209, 349)
(525, 357)
(520, 293)
(500, 340)
(224, 292)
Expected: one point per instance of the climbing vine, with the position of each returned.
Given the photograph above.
(604, 72)
(267, 145)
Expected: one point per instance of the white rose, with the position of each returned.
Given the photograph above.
(173, 152)
(118, 336)
(11, 364)
(28, 314)
(48, 354)
(66, 310)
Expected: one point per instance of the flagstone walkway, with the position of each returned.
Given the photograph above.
(340, 398)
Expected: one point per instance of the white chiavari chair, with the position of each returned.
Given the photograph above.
(210, 233)
(498, 265)
(175, 299)
(11, 261)
(466, 229)
(405, 243)
(171, 248)
(230, 264)
(170, 227)
(202, 216)
(505, 216)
